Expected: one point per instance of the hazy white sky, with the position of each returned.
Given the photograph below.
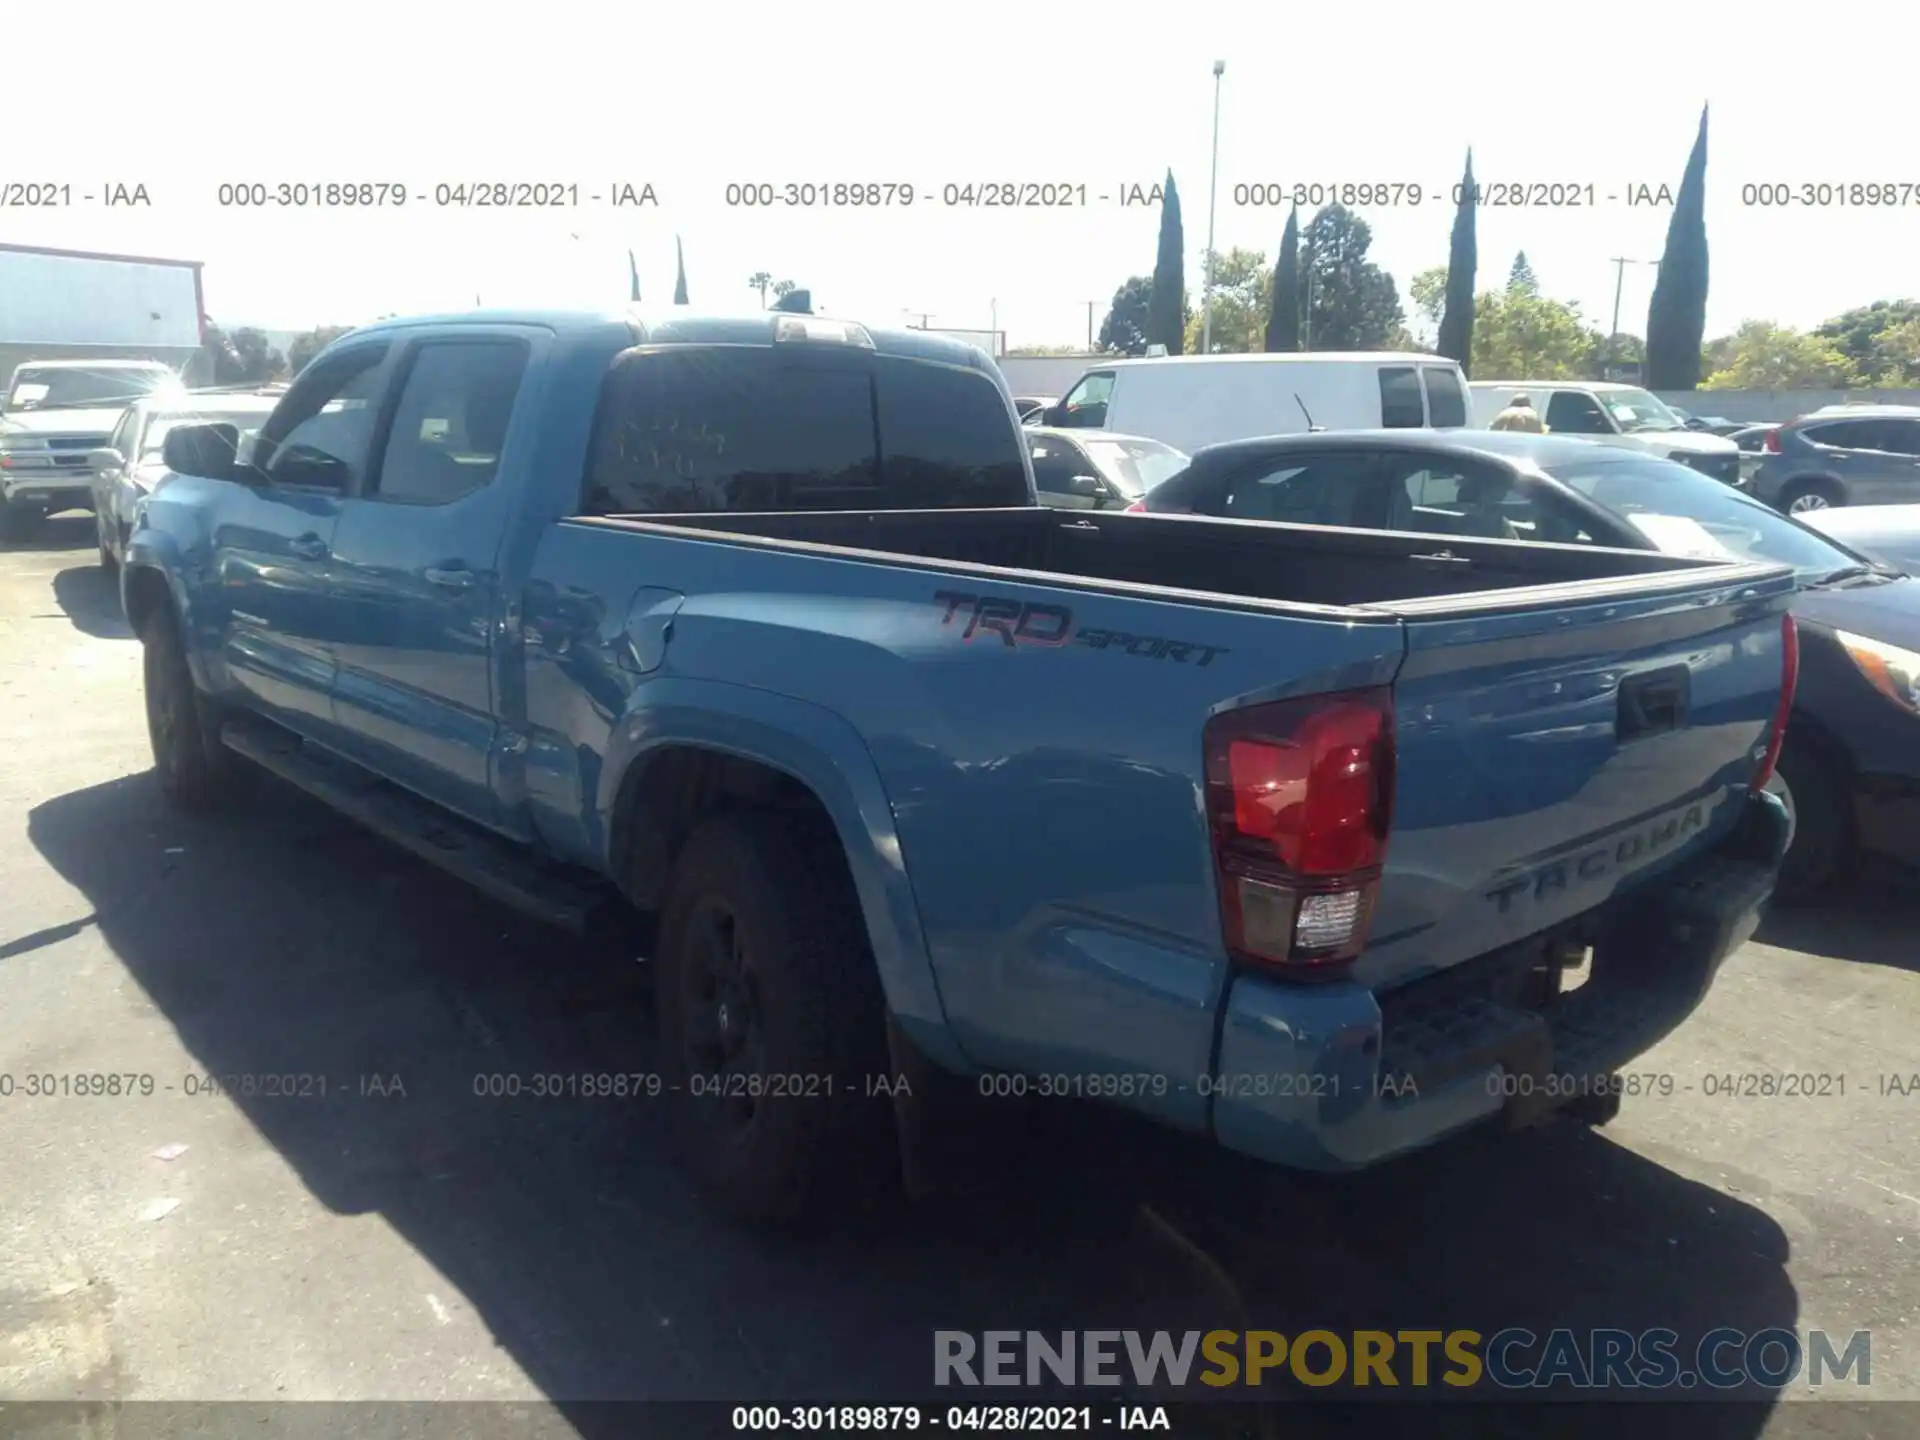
(689, 97)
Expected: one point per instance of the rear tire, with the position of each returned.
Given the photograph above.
(1799, 496)
(1823, 839)
(766, 983)
(195, 770)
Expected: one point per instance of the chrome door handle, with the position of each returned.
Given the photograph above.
(454, 577)
(308, 547)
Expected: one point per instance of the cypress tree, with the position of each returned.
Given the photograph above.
(1455, 339)
(1521, 276)
(680, 280)
(633, 280)
(1677, 315)
(1167, 306)
(1283, 316)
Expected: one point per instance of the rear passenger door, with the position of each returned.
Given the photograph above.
(416, 576)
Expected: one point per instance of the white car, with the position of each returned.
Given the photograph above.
(1622, 415)
(1188, 401)
(127, 468)
(55, 411)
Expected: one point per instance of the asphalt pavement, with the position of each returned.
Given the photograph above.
(383, 1232)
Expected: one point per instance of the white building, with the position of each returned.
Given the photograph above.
(80, 305)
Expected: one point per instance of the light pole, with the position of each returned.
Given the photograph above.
(1213, 184)
(1620, 263)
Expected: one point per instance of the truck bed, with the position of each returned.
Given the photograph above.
(1201, 557)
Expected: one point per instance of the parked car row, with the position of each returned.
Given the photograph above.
(756, 630)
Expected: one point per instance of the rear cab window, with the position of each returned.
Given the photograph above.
(1401, 404)
(715, 429)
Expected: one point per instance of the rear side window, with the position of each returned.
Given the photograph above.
(1446, 399)
(1401, 407)
(1850, 434)
(1321, 490)
(751, 429)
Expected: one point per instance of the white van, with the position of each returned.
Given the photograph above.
(1188, 401)
(1623, 415)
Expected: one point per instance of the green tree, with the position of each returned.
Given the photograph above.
(222, 362)
(1627, 353)
(1352, 304)
(1242, 304)
(1764, 356)
(259, 361)
(783, 288)
(1521, 276)
(1167, 305)
(680, 273)
(1899, 363)
(1283, 289)
(1044, 350)
(1455, 337)
(1428, 291)
(305, 346)
(1520, 335)
(1861, 334)
(1677, 315)
(1124, 331)
(762, 281)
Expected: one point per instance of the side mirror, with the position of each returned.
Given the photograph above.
(1088, 486)
(104, 460)
(204, 450)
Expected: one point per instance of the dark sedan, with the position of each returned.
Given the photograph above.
(1850, 770)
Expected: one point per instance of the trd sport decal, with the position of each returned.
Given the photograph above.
(1027, 622)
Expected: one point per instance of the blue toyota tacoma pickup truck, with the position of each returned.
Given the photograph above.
(1279, 834)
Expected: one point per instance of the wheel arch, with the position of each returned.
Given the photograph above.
(689, 749)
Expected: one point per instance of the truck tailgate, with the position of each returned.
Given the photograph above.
(1552, 753)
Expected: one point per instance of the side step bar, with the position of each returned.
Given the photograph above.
(575, 903)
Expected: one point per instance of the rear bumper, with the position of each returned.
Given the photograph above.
(47, 488)
(1331, 1077)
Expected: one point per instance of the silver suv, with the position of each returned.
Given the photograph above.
(1860, 455)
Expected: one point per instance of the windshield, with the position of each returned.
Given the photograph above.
(154, 441)
(68, 388)
(1683, 512)
(1639, 410)
(1136, 466)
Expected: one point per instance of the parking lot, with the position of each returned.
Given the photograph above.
(401, 1238)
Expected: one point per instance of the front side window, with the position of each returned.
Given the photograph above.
(451, 422)
(1086, 404)
(1574, 412)
(1635, 410)
(1401, 407)
(321, 434)
(1317, 490)
(123, 434)
(1134, 466)
(1055, 463)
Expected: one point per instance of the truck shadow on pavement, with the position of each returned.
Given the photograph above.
(282, 940)
(90, 596)
(1875, 922)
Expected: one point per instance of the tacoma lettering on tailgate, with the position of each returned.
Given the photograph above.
(1602, 860)
(1031, 622)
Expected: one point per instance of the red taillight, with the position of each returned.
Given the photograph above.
(1298, 800)
(1138, 507)
(1789, 682)
(1770, 442)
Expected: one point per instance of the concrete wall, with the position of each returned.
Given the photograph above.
(1055, 374)
(1757, 405)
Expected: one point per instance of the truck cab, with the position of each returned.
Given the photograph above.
(1612, 414)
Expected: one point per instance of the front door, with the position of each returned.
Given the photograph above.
(273, 537)
(416, 571)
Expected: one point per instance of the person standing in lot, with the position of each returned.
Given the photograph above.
(1519, 415)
